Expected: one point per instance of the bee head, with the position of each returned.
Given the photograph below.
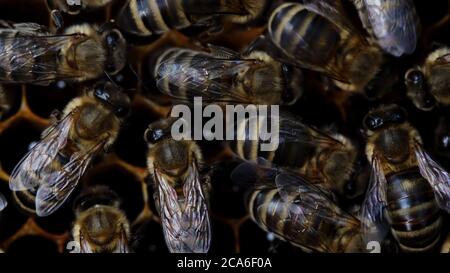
(384, 116)
(417, 90)
(96, 195)
(158, 130)
(113, 97)
(115, 46)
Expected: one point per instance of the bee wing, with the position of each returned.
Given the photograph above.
(34, 55)
(29, 28)
(60, 184)
(31, 169)
(197, 211)
(293, 130)
(333, 11)
(188, 230)
(436, 175)
(3, 202)
(372, 210)
(394, 24)
(122, 244)
(85, 247)
(209, 77)
(311, 202)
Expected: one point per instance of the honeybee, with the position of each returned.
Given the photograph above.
(315, 35)
(51, 170)
(298, 212)
(3, 202)
(226, 76)
(325, 159)
(180, 194)
(393, 23)
(76, 6)
(5, 102)
(100, 225)
(150, 17)
(407, 187)
(428, 85)
(29, 53)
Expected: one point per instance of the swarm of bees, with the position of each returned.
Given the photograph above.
(89, 163)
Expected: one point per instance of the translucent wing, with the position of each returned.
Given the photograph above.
(312, 213)
(436, 175)
(372, 212)
(34, 166)
(85, 247)
(122, 244)
(3, 202)
(394, 24)
(31, 55)
(60, 184)
(208, 77)
(185, 230)
(332, 10)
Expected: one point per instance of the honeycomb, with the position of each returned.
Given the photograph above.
(124, 170)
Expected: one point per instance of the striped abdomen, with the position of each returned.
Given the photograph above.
(304, 35)
(179, 70)
(147, 17)
(314, 231)
(25, 59)
(413, 213)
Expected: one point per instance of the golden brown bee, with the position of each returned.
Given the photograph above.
(446, 246)
(298, 212)
(429, 84)
(150, 17)
(180, 193)
(393, 23)
(100, 226)
(226, 76)
(315, 35)
(51, 170)
(29, 53)
(76, 6)
(407, 188)
(326, 159)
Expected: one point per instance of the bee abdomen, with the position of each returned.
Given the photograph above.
(147, 17)
(297, 30)
(413, 213)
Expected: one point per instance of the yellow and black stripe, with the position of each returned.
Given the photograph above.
(413, 213)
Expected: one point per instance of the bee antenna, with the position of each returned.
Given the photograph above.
(112, 80)
(138, 77)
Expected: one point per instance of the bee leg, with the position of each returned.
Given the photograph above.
(57, 19)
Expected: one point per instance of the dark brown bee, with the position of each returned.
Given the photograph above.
(298, 212)
(51, 170)
(180, 194)
(316, 35)
(407, 188)
(100, 226)
(226, 76)
(428, 85)
(393, 23)
(29, 53)
(154, 17)
(326, 159)
(76, 6)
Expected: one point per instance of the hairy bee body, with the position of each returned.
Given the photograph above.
(325, 159)
(403, 191)
(89, 126)
(310, 39)
(150, 17)
(393, 23)
(267, 208)
(428, 84)
(180, 194)
(100, 226)
(5, 102)
(224, 75)
(31, 54)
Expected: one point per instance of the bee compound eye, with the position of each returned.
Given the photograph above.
(415, 76)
